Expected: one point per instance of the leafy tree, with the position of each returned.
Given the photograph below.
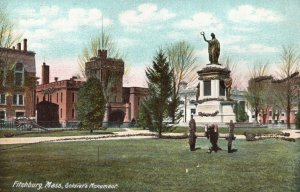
(257, 89)
(91, 104)
(8, 36)
(240, 113)
(144, 116)
(285, 88)
(182, 59)
(100, 41)
(159, 79)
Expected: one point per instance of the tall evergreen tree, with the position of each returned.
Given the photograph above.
(159, 79)
(91, 104)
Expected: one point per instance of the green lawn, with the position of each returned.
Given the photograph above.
(60, 133)
(155, 165)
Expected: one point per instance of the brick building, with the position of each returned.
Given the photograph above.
(56, 101)
(123, 102)
(17, 82)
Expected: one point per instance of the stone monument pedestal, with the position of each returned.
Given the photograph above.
(213, 105)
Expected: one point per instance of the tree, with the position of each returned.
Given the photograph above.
(91, 104)
(285, 88)
(8, 36)
(182, 59)
(100, 41)
(241, 115)
(159, 79)
(256, 93)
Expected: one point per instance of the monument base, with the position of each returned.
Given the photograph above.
(215, 112)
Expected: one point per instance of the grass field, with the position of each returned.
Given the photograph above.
(154, 165)
(60, 133)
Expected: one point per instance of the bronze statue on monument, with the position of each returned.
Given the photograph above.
(213, 48)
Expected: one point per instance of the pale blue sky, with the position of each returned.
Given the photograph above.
(249, 31)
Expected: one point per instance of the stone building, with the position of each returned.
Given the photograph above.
(17, 82)
(123, 102)
(56, 100)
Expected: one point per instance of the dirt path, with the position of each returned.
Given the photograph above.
(128, 134)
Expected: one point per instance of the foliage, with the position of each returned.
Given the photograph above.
(91, 104)
(144, 116)
(285, 91)
(240, 113)
(8, 36)
(257, 92)
(159, 79)
(182, 60)
(100, 41)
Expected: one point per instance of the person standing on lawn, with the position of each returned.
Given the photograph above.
(192, 135)
(231, 137)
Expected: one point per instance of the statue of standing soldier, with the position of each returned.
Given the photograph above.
(213, 48)
(192, 135)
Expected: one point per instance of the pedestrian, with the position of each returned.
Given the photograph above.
(231, 137)
(192, 135)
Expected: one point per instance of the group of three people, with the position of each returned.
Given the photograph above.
(212, 133)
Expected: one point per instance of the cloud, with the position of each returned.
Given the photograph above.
(201, 21)
(126, 42)
(176, 35)
(136, 77)
(253, 48)
(248, 13)
(232, 39)
(144, 15)
(43, 12)
(78, 17)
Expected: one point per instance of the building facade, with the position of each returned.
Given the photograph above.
(17, 82)
(123, 102)
(56, 101)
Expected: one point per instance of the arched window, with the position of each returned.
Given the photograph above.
(19, 74)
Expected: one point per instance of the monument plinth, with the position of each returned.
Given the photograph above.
(213, 94)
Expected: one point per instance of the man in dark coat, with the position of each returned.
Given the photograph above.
(192, 135)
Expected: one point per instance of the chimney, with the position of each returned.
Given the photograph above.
(25, 45)
(19, 46)
(55, 79)
(45, 73)
(102, 54)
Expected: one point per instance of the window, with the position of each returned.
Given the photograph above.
(60, 112)
(56, 97)
(2, 99)
(50, 98)
(18, 99)
(221, 88)
(20, 114)
(2, 115)
(37, 99)
(19, 74)
(193, 111)
(270, 113)
(282, 114)
(207, 88)
(73, 97)
(2, 73)
(73, 113)
(61, 97)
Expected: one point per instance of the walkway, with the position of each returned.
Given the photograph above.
(128, 134)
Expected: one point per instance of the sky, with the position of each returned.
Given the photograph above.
(249, 31)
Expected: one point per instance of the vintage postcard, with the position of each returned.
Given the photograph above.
(149, 95)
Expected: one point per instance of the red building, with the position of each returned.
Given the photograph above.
(56, 101)
(17, 82)
(123, 102)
